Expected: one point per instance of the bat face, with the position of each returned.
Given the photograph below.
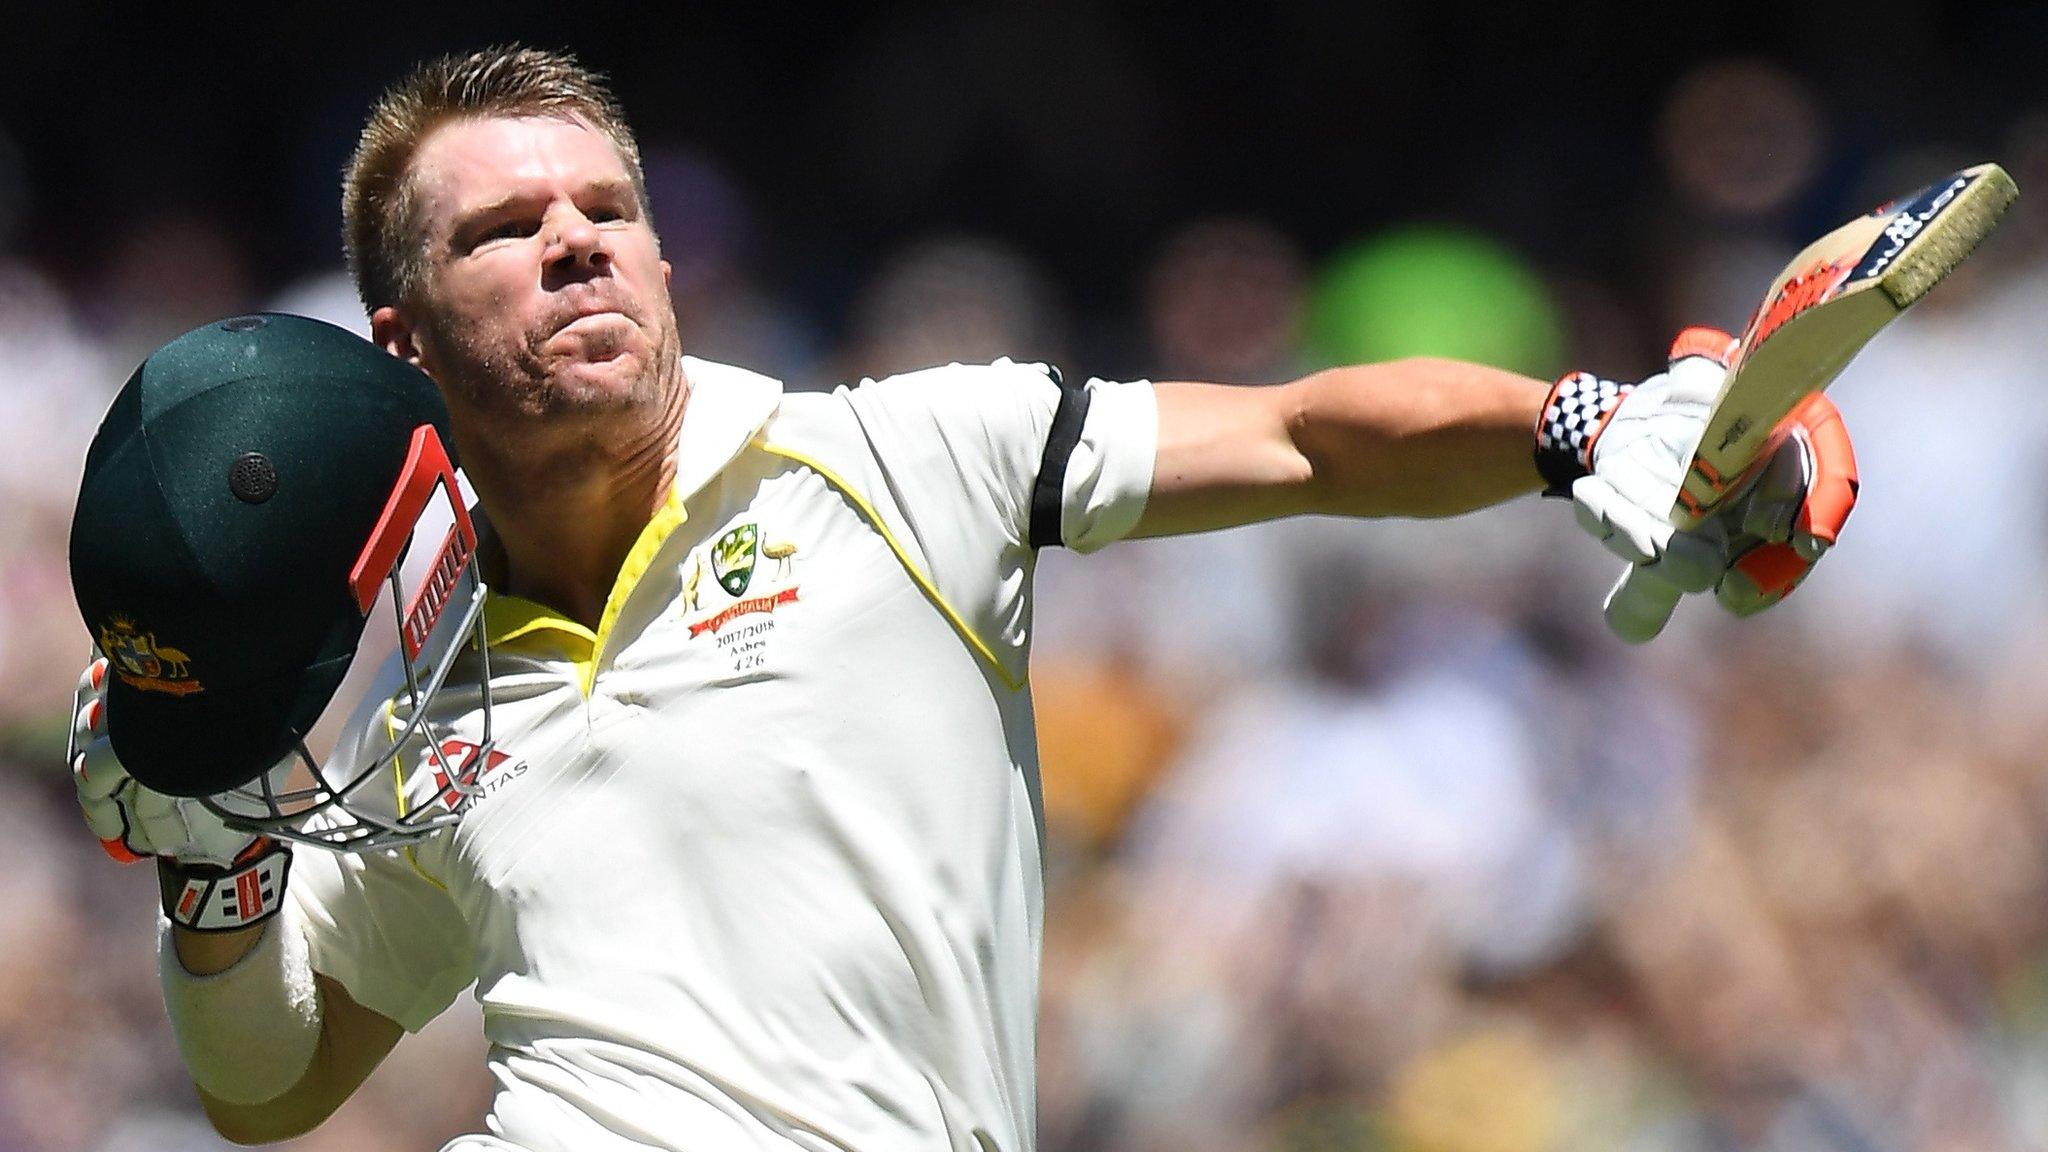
(1826, 304)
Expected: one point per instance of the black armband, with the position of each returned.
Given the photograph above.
(1048, 494)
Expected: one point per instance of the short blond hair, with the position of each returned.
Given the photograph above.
(379, 207)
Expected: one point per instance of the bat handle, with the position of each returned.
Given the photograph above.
(1639, 605)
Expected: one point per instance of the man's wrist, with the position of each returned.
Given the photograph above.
(211, 953)
(1574, 415)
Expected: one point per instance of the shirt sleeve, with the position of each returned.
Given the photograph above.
(389, 934)
(968, 470)
(376, 921)
(1012, 455)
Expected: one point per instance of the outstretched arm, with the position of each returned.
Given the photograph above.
(1418, 437)
(1427, 437)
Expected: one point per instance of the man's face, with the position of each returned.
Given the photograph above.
(544, 292)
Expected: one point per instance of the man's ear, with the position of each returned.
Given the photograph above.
(391, 331)
(667, 276)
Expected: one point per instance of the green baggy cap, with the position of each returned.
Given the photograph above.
(227, 495)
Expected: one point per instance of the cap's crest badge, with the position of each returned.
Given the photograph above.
(732, 558)
(142, 663)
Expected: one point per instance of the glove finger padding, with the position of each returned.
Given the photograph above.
(1831, 493)
(1694, 379)
(1805, 516)
(1642, 600)
(133, 822)
(1620, 526)
(1688, 561)
(99, 785)
(95, 771)
(1639, 605)
(1771, 506)
(182, 828)
(179, 827)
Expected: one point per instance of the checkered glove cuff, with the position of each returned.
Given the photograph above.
(206, 898)
(1572, 419)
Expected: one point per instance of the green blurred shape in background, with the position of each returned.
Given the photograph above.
(1434, 291)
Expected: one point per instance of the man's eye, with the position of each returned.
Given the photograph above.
(509, 230)
(604, 215)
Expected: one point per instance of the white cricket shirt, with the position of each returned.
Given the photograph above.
(758, 861)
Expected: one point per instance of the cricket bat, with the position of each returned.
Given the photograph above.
(1825, 305)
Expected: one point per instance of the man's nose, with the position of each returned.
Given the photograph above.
(575, 240)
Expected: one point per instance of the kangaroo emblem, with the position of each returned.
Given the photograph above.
(690, 585)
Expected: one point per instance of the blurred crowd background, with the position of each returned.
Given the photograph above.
(1363, 836)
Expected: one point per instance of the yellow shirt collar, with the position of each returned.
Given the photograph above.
(726, 407)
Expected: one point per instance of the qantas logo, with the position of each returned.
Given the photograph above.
(473, 768)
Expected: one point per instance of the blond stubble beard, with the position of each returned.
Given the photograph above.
(513, 414)
(517, 387)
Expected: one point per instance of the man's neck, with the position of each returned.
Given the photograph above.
(567, 518)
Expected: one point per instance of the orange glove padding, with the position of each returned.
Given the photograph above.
(1770, 560)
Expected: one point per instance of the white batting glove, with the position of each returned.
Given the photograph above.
(1639, 462)
(131, 821)
(1634, 444)
(214, 878)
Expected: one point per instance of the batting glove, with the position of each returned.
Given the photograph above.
(1621, 451)
(214, 878)
(1793, 511)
